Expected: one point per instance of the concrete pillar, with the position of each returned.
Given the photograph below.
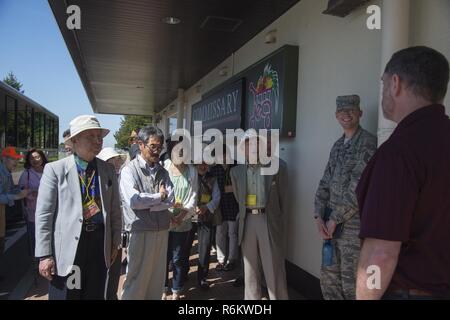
(180, 108)
(165, 124)
(395, 28)
(155, 119)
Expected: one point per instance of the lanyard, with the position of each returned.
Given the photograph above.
(86, 187)
(205, 185)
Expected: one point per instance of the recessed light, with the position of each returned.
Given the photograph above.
(171, 20)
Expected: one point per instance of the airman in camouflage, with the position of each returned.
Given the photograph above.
(336, 207)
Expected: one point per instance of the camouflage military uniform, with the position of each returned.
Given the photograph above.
(337, 192)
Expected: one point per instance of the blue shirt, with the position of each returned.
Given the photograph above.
(8, 191)
(85, 170)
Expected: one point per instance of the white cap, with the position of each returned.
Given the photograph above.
(108, 153)
(83, 123)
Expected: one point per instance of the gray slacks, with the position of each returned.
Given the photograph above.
(259, 255)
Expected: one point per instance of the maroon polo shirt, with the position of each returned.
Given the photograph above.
(404, 195)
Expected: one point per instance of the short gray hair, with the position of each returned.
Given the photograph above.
(149, 131)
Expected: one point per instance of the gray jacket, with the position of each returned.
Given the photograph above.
(142, 206)
(59, 213)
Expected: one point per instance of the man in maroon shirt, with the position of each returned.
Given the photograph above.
(404, 193)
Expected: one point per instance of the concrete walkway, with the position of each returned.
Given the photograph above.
(221, 285)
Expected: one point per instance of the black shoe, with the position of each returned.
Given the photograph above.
(204, 285)
(229, 266)
(220, 267)
(239, 282)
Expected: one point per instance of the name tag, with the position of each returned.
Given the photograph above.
(205, 198)
(90, 209)
(251, 200)
(228, 189)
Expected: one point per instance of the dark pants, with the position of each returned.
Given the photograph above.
(2, 247)
(175, 255)
(90, 260)
(187, 249)
(205, 235)
(114, 278)
(31, 237)
(406, 296)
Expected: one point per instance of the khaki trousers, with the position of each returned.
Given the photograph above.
(258, 254)
(146, 270)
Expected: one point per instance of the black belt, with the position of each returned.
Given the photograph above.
(256, 211)
(90, 227)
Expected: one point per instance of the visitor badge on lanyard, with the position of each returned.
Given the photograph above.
(90, 209)
(251, 200)
(205, 198)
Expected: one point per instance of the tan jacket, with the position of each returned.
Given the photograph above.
(276, 211)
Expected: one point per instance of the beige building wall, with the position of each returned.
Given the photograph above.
(336, 56)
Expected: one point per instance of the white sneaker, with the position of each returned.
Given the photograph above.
(175, 296)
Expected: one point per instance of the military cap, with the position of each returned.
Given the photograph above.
(345, 102)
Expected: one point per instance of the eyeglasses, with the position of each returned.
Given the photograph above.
(154, 147)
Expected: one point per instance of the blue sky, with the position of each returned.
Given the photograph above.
(33, 48)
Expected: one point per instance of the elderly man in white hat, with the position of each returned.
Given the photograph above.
(78, 217)
(262, 218)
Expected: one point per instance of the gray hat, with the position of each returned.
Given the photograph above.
(345, 102)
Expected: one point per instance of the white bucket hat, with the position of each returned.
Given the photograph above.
(108, 153)
(83, 123)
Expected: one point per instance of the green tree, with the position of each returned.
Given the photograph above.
(12, 81)
(127, 125)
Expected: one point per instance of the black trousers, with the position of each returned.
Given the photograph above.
(90, 261)
(114, 277)
(205, 235)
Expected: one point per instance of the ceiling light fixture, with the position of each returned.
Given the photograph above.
(271, 36)
(171, 20)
